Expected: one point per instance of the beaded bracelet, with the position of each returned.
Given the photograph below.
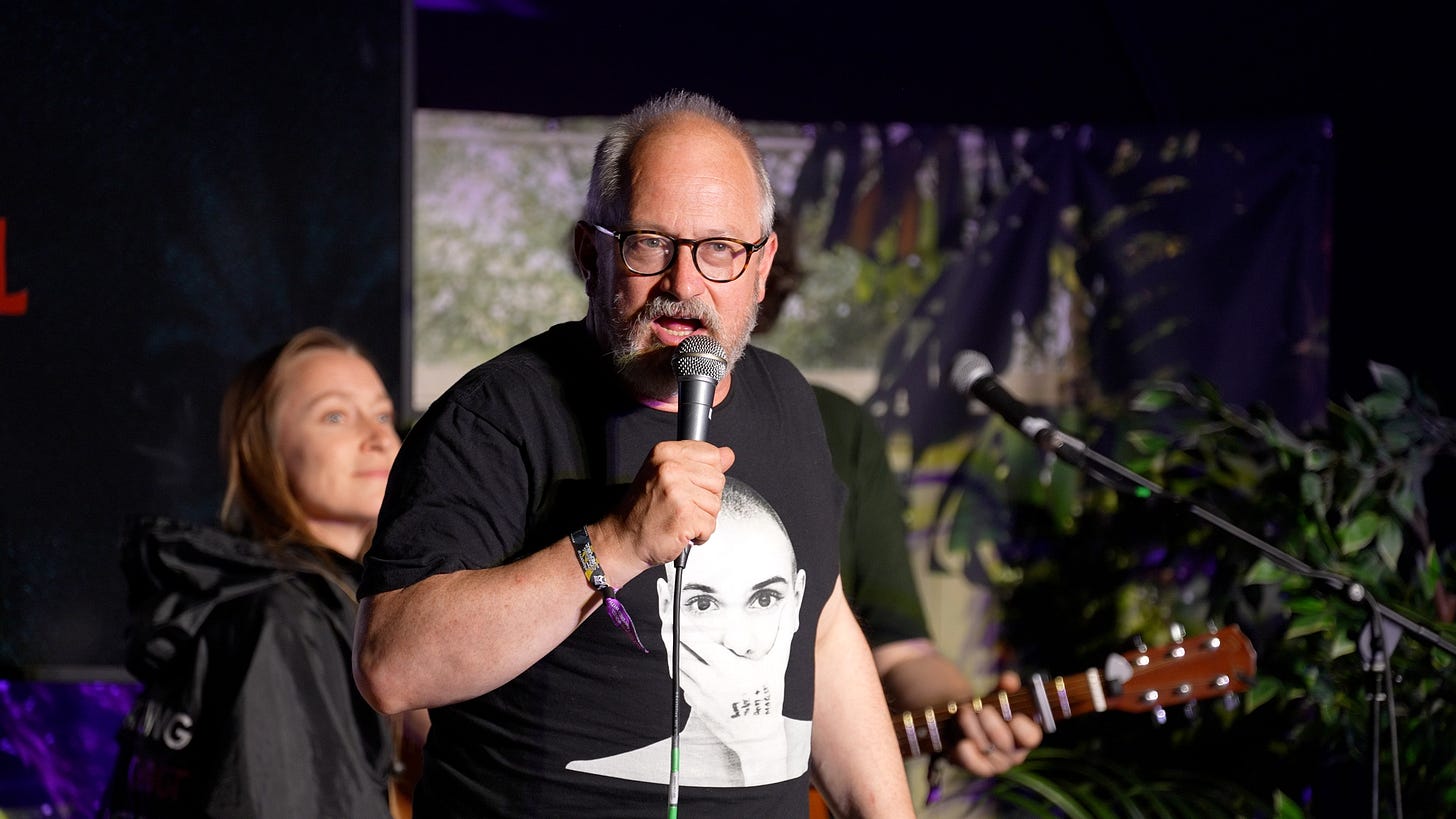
(598, 580)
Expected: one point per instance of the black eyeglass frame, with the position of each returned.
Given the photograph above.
(622, 235)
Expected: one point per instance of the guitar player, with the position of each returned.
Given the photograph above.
(878, 583)
(875, 567)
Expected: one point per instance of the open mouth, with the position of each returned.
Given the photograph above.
(670, 329)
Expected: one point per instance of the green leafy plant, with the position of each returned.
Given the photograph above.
(1095, 565)
(1060, 783)
(1347, 497)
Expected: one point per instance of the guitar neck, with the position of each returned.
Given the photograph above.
(930, 730)
(1219, 663)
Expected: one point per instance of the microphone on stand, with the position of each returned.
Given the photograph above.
(972, 375)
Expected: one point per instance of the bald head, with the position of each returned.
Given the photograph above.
(678, 113)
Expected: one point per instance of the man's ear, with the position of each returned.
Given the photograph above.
(765, 263)
(584, 249)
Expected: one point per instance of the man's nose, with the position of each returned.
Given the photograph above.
(682, 279)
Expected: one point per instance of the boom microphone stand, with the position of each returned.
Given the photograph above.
(1379, 637)
(972, 375)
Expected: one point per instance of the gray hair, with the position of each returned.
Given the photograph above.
(607, 195)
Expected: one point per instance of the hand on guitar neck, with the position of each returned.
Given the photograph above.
(915, 674)
(1202, 666)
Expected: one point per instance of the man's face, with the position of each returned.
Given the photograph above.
(690, 180)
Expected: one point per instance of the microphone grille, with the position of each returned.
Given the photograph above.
(700, 356)
(969, 367)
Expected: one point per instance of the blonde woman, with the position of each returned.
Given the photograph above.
(242, 636)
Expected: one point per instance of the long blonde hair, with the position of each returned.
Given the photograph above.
(259, 503)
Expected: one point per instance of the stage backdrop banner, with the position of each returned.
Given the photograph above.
(1095, 259)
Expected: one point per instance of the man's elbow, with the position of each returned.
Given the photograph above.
(376, 673)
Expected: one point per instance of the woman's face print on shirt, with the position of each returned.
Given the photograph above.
(742, 590)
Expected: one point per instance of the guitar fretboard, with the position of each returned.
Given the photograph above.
(930, 730)
(1218, 663)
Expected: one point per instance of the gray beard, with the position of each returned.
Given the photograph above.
(647, 369)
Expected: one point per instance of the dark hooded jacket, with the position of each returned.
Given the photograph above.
(248, 707)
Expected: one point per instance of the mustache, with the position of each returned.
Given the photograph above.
(634, 349)
(691, 309)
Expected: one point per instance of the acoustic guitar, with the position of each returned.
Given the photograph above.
(408, 731)
(1196, 667)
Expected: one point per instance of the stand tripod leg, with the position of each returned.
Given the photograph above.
(1376, 640)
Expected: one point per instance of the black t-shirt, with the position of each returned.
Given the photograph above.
(543, 439)
(873, 559)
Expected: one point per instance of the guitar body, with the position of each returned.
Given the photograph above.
(409, 731)
(817, 808)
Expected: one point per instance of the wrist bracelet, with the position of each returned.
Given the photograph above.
(597, 579)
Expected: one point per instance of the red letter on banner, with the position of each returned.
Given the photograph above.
(11, 304)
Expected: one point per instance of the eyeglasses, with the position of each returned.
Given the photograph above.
(648, 253)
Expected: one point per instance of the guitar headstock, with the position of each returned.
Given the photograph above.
(1192, 667)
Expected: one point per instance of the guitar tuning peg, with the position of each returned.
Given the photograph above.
(1177, 632)
(1142, 658)
(1230, 701)
(1160, 715)
(1190, 709)
(1212, 626)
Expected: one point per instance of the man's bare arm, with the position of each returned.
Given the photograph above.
(452, 637)
(855, 760)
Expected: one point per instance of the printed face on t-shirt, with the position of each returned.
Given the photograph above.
(739, 611)
(738, 588)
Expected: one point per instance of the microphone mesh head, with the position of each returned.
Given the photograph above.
(969, 367)
(700, 356)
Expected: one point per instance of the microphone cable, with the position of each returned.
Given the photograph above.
(681, 563)
(699, 363)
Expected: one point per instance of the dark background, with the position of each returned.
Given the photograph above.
(187, 183)
(183, 185)
(1377, 76)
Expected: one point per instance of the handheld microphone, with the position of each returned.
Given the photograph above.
(700, 363)
(971, 374)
